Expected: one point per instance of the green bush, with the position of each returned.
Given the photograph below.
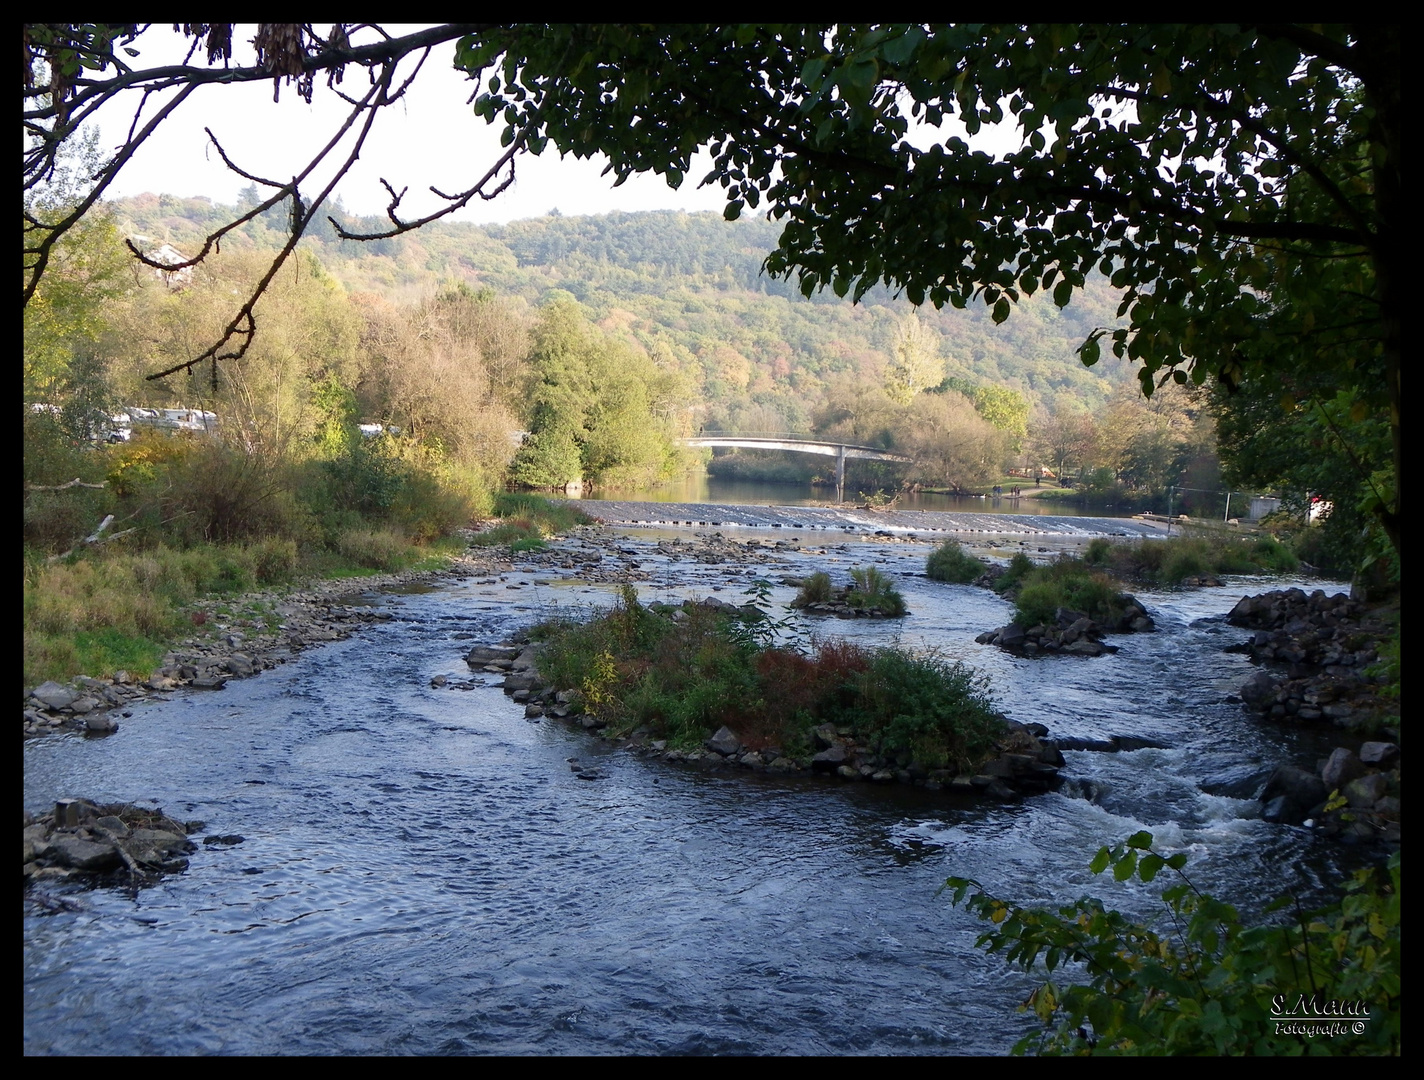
(950, 562)
(1183, 561)
(815, 589)
(1098, 551)
(1209, 985)
(684, 677)
(872, 591)
(274, 561)
(1068, 584)
(939, 713)
(1170, 559)
(1037, 603)
(1020, 566)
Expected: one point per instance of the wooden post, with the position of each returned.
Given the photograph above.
(840, 473)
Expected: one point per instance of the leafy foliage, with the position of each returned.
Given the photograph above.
(1210, 984)
(950, 562)
(685, 671)
(1227, 177)
(1067, 584)
(872, 590)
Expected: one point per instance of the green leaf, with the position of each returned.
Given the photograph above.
(1062, 292)
(1142, 840)
(1123, 870)
(1177, 861)
(1100, 861)
(1149, 865)
(1002, 309)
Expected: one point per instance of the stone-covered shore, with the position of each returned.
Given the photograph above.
(1316, 655)
(313, 613)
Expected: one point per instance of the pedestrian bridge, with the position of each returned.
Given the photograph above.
(838, 450)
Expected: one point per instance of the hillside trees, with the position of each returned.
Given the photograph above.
(600, 410)
(1216, 172)
(916, 363)
(451, 373)
(1173, 157)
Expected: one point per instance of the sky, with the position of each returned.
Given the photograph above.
(432, 138)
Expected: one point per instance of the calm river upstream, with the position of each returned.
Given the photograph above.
(424, 874)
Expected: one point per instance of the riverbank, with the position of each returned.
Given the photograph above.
(236, 637)
(425, 844)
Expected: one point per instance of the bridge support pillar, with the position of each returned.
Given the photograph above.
(840, 473)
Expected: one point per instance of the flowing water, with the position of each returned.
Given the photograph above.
(423, 873)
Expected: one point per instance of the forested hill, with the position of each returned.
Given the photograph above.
(689, 288)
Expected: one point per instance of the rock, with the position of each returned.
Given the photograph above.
(1340, 768)
(483, 654)
(87, 855)
(825, 736)
(240, 665)
(1011, 635)
(54, 696)
(1384, 755)
(99, 724)
(1365, 791)
(1282, 811)
(829, 760)
(1084, 647)
(1301, 791)
(152, 846)
(725, 742)
(1258, 690)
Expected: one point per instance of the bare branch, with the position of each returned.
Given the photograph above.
(455, 202)
(76, 482)
(56, 111)
(244, 324)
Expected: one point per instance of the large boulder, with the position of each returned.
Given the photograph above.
(1384, 755)
(1258, 690)
(81, 854)
(1340, 768)
(1012, 635)
(1291, 794)
(54, 696)
(725, 742)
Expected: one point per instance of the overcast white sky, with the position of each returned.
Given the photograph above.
(432, 138)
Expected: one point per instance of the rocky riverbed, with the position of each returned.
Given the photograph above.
(234, 647)
(1316, 654)
(118, 841)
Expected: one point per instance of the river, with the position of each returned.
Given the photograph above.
(423, 873)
